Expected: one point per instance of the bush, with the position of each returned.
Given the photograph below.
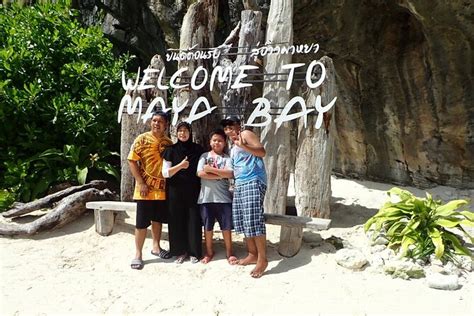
(420, 227)
(60, 88)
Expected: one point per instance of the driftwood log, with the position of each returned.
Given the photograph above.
(315, 151)
(48, 201)
(67, 210)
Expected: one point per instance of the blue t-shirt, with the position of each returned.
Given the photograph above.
(246, 166)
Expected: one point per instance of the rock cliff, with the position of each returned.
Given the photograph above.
(405, 109)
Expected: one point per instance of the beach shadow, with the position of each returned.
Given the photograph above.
(302, 258)
(343, 215)
(239, 249)
(123, 227)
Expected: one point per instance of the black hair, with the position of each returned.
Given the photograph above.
(218, 131)
(162, 114)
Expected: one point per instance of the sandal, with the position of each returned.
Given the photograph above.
(163, 254)
(180, 259)
(207, 258)
(193, 259)
(137, 264)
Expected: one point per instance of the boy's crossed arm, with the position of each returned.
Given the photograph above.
(212, 173)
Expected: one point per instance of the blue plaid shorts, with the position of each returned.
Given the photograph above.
(247, 208)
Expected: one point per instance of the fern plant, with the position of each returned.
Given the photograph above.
(419, 227)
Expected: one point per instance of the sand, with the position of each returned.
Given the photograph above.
(73, 270)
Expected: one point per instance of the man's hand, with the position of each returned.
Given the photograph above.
(143, 189)
(240, 141)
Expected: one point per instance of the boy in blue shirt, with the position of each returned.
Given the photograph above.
(249, 193)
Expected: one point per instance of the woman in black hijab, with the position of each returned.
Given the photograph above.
(183, 186)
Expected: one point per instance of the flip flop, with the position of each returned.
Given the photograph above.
(232, 260)
(207, 258)
(180, 259)
(163, 254)
(137, 264)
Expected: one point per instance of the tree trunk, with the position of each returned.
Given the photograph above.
(70, 208)
(197, 30)
(237, 101)
(48, 201)
(315, 152)
(277, 141)
(131, 128)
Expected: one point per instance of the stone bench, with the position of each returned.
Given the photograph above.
(290, 236)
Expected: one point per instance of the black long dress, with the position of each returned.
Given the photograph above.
(184, 222)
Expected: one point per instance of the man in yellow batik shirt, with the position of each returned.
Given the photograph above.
(145, 161)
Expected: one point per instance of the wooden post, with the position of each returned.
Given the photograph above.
(290, 241)
(315, 152)
(198, 28)
(130, 128)
(249, 34)
(277, 140)
(104, 221)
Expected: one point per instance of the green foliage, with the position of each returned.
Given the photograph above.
(420, 227)
(33, 176)
(59, 85)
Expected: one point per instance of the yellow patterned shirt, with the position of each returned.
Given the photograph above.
(147, 150)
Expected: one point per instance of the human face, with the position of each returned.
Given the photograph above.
(217, 143)
(158, 125)
(183, 133)
(232, 131)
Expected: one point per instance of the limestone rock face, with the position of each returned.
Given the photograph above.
(405, 112)
(144, 28)
(405, 108)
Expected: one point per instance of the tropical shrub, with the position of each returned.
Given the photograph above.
(59, 92)
(419, 227)
(33, 176)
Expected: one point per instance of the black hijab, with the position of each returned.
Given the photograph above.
(185, 178)
(187, 149)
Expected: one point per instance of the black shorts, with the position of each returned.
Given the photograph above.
(151, 211)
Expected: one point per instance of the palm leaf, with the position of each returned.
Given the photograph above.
(466, 233)
(407, 240)
(458, 248)
(435, 236)
(402, 194)
(449, 208)
(468, 215)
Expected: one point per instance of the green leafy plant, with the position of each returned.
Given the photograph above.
(60, 87)
(32, 177)
(419, 227)
(6, 199)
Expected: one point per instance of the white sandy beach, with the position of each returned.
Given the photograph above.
(74, 270)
